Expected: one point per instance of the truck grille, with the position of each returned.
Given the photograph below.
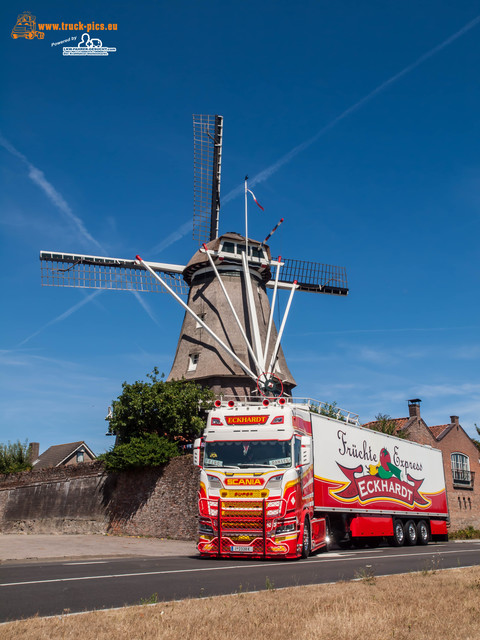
(241, 516)
(242, 522)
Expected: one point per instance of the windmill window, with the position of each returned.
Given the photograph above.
(256, 252)
(192, 361)
(228, 247)
(202, 318)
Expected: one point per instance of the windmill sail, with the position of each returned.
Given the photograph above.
(207, 169)
(228, 340)
(98, 272)
(313, 277)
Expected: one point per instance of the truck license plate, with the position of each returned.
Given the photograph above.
(241, 548)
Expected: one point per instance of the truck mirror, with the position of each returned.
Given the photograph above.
(306, 451)
(196, 452)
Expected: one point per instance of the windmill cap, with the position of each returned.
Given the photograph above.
(199, 260)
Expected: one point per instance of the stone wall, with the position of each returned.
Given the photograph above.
(156, 501)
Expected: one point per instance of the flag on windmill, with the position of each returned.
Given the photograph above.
(256, 201)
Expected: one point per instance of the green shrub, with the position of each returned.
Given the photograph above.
(470, 533)
(148, 450)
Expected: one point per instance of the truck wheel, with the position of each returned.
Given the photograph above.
(344, 544)
(422, 533)
(398, 538)
(306, 540)
(410, 533)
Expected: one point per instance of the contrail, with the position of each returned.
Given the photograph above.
(57, 199)
(38, 177)
(63, 315)
(143, 303)
(173, 237)
(269, 171)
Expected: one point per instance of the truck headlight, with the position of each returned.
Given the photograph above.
(214, 482)
(275, 482)
(286, 526)
(204, 526)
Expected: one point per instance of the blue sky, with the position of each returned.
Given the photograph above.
(358, 123)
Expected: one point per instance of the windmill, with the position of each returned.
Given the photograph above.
(228, 340)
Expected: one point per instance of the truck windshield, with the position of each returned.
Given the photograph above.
(275, 454)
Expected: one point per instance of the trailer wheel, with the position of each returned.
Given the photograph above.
(359, 543)
(411, 533)
(306, 540)
(398, 538)
(374, 542)
(423, 534)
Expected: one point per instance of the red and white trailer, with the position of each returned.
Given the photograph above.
(279, 479)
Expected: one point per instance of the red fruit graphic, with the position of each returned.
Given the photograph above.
(385, 459)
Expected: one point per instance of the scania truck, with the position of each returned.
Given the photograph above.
(279, 478)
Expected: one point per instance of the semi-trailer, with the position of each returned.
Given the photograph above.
(283, 478)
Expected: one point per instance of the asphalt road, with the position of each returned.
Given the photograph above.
(53, 588)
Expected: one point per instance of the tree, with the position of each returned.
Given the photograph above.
(385, 424)
(329, 410)
(150, 420)
(170, 409)
(14, 457)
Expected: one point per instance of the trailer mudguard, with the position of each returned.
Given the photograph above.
(363, 526)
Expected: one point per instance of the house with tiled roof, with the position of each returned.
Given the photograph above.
(461, 462)
(60, 455)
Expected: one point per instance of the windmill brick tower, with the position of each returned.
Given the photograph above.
(228, 341)
(197, 356)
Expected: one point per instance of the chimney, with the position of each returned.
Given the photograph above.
(454, 420)
(414, 408)
(33, 451)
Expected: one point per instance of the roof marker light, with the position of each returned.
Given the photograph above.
(281, 401)
(231, 404)
(266, 402)
(218, 403)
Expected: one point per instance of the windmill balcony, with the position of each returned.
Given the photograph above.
(463, 479)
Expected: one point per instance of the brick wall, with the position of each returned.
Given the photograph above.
(159, 501)
(463, 504)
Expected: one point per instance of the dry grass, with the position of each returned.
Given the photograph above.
(431, 604)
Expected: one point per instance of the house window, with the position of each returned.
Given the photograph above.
(461, 470)
(192, 361)
(80, 456)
